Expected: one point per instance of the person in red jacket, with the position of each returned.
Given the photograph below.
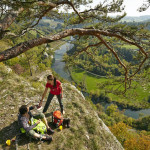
(55, 89)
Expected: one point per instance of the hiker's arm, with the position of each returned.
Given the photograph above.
(26, 126)
(45, 91)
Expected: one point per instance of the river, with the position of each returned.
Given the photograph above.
(59, 67)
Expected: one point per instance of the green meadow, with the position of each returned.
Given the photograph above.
(137, 96)
(129, 46)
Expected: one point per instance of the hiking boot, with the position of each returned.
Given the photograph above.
(68, 125)
(50, 131)
(48, 138)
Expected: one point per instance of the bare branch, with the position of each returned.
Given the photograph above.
(139, 68)
(61, 3)
(115, 54)
(71, 4)
(29, 29)
(51, 6)
(42, 15)
(7, 21)
(85, 49)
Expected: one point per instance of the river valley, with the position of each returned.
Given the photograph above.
(59, 67)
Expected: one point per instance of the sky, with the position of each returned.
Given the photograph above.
(131, 7)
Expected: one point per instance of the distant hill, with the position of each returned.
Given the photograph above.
(136, 19)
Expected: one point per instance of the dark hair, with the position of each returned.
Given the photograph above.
(54, 81)
(23, 109)
(50, 77)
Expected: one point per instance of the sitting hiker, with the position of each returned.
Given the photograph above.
(58, 120)
(25, 120)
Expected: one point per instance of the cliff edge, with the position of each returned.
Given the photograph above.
(87, 131)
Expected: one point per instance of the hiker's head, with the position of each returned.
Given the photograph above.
(50, 77)
(23, 109)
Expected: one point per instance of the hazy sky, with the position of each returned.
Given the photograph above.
(131, 7)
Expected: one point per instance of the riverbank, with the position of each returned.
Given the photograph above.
(105, 89)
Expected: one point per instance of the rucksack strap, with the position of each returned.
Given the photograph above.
(22, 130)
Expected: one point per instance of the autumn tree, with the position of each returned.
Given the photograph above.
(129, 138)
(95, 21)
(140, 142)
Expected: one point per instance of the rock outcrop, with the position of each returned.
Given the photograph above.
(87, 131)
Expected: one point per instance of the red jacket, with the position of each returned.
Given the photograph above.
(54, 90)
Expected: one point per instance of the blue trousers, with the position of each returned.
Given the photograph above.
(50, 97)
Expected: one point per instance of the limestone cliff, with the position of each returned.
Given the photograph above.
(87, 131)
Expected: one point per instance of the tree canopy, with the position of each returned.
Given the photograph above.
(145, 6)
(19, 17)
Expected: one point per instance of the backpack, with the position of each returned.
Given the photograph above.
(57, 118)
(40, 128)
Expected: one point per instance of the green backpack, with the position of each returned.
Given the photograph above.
(40, 128)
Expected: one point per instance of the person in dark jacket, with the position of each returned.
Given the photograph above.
(24, 122)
